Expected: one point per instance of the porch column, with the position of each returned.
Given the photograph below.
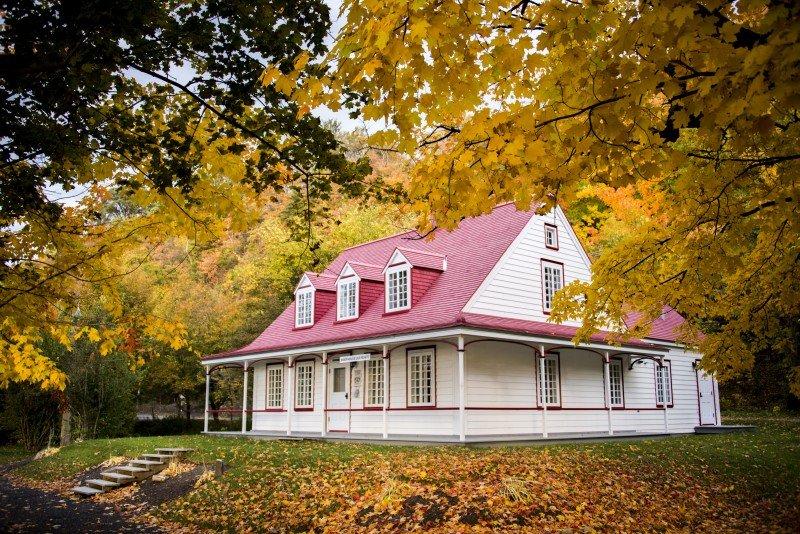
(290, 393)
(244, 398)
(324, 394)
(607, 375)
(208, 391)
(385, 392)
(462, 407)
(542, 398)
(664, 387)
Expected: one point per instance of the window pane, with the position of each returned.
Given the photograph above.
(375, 383)
(305, 384)
(615, 379)
(274, 387)
(551, 385)
(338, 379)
(551, 283)
(397, 289)
(420, 378)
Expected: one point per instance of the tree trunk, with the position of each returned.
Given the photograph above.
(66, 427)
(188, 407)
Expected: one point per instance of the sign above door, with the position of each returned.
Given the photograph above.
(355, 357)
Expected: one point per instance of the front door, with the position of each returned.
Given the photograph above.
(708, 402)
(339, 398)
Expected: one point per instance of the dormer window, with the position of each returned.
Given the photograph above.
(348, 299)
(398, 285)
(551, 236)
(304, 307)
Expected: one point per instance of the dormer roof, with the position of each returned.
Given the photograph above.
(321, 282)
(364, 271)
(418, 258)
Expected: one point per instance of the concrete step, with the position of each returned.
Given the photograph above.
(101, 484)
(139, 473)
(86, 491)
(113, 476)
(158, 457)
(173, 451)
(146, 463)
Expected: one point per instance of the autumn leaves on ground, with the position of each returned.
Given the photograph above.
(742, 482)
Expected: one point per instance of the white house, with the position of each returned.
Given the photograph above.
(447, 340)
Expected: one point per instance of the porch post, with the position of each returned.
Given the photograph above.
(324, 394)
(664, 387)
(290, 393)
(462, 406)
(385, 392)
(208, 391)
(542, 392)
(607, 376)
(244, 398)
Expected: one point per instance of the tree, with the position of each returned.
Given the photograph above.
(528, 101)
(158, 106)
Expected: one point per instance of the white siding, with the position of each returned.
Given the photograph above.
(513, 288)
(501, 387)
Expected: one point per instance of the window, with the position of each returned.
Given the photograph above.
(397, 289)
(663, 384)
(615, 381)
(348, 299)
(338, 379)
(274, 386)
(551, 236)
(550, 382)
(420, 377)
(304, 308)
(374, 383)
(304, 384)
(552, 281)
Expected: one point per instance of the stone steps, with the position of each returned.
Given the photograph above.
(135, 470)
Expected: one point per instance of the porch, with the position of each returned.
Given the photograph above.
(463, 386)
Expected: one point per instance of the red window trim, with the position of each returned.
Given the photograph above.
(622, 379)
(542, 261)
(433, 381)
(667, 363)
(280, 408)
(554, 227)
(560, 389)
(313, 383)
(366, 386)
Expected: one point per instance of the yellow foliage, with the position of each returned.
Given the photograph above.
(526, 101)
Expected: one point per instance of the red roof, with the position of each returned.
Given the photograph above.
(324, 282)
(470, 251)
(367, 271)
(664, 328)
(426, 260)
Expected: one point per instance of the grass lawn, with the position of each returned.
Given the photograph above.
(12, 453)
(736, 482)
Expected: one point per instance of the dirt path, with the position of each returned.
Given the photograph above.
(24, 509)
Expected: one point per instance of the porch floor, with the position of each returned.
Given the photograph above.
(475, 441)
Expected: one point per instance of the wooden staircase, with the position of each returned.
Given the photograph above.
(142, 468)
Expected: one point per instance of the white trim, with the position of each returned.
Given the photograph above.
(396, 258)
(554, 266)
(405, 267)
(268, 387)
(303, 291)
(378, 369)
(561, 215)
(339, 285)
(427, 335)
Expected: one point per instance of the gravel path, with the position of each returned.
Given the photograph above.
(25, 509)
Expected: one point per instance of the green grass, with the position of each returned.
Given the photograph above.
(12, 453)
